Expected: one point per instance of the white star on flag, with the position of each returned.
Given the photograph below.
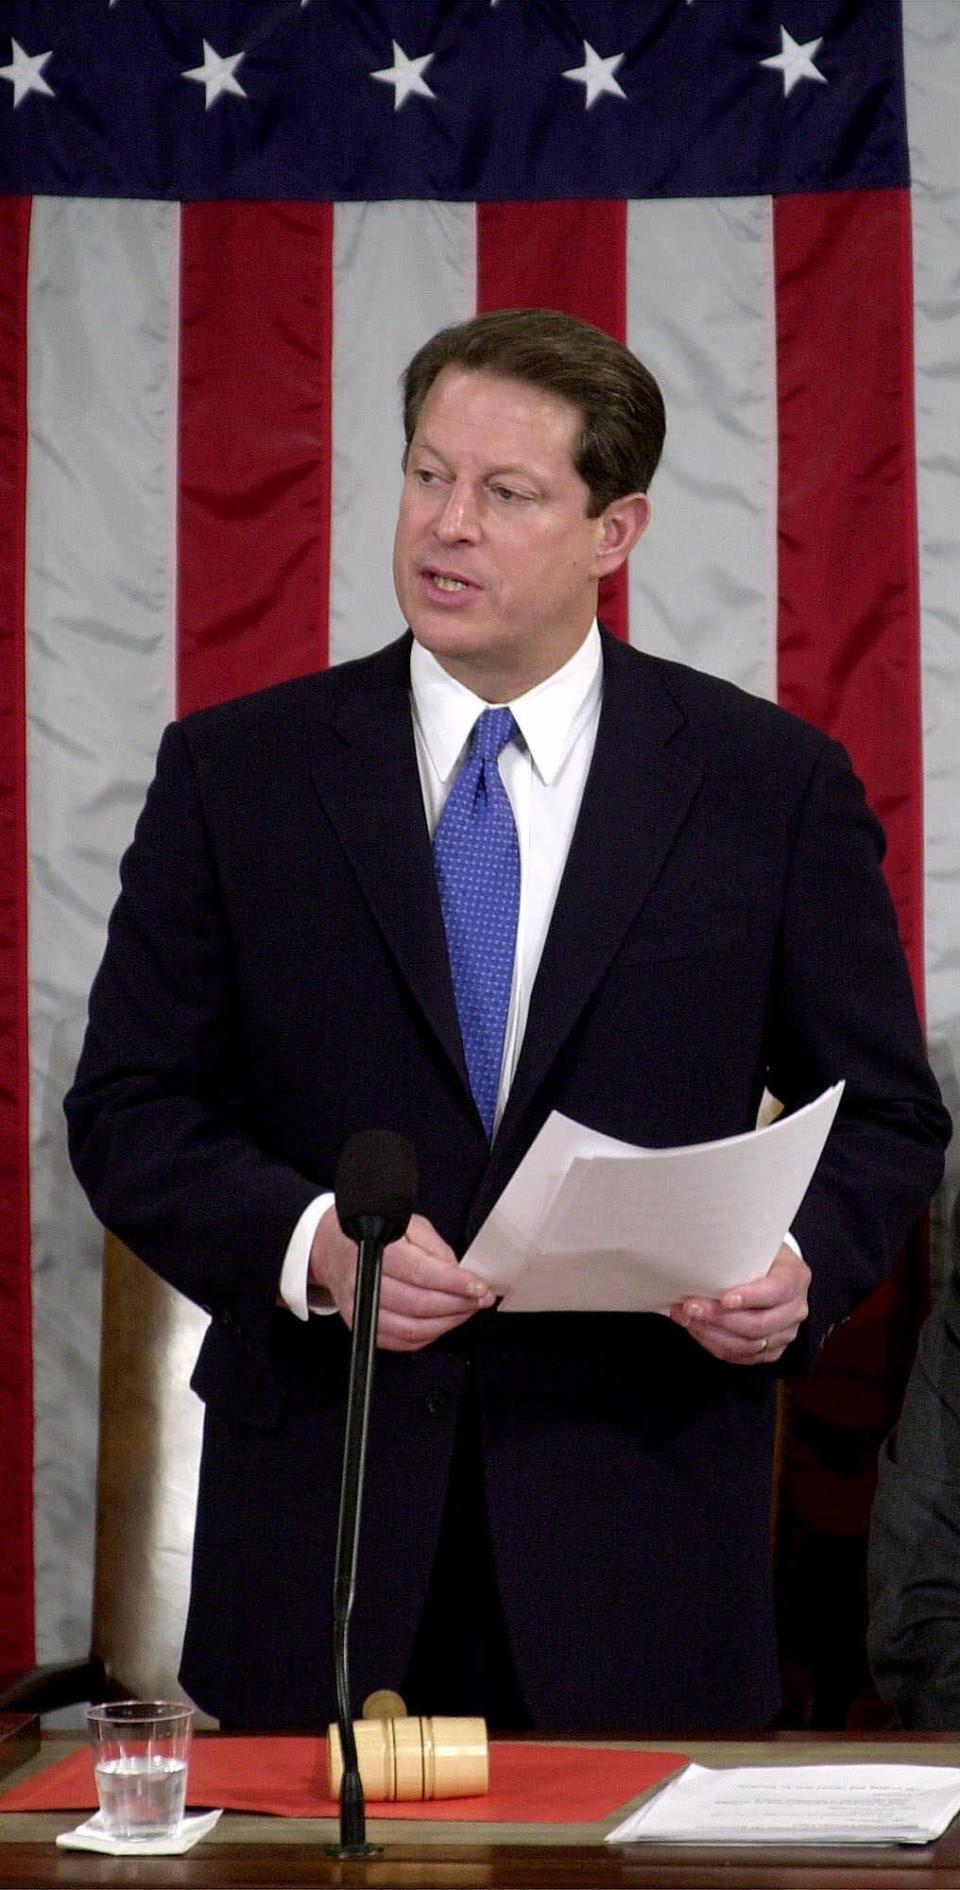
(406, 76)
(795, 61)
(217, 74)
(596, 75)
(24, 73)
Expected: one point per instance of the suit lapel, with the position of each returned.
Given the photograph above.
(364, 766)
(638, 792)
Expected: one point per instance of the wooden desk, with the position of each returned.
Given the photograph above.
(255, 1852)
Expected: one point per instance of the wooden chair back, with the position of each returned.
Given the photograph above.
(149, 1453)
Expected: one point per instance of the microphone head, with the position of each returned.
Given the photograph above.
(376, 1181)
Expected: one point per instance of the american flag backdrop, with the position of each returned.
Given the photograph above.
(225, 225)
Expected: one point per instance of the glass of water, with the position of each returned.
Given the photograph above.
(141, 1749)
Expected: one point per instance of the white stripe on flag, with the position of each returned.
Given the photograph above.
(700, 312)
(401, 271)
(99, 608)
(932, 53)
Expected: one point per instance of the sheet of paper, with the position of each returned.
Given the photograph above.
(591, 1224)
(798, 1804)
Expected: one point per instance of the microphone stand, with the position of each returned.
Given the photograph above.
(371, 1230)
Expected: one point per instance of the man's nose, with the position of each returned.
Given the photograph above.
(460, 518)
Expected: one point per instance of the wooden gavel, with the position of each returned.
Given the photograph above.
(415, 1758)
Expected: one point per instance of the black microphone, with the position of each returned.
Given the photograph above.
(376, 1183)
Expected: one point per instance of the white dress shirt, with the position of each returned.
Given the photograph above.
(544, 774)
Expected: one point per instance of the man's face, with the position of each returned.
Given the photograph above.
(495, 560)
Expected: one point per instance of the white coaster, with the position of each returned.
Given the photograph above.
(92, 1837)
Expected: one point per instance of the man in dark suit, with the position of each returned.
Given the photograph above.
(914, 1563)
(567, 1516)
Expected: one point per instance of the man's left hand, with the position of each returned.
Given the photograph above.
(751, 1324)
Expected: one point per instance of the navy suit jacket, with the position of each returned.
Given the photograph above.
(276, 978)
(914, 1565)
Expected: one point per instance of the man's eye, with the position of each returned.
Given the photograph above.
(507, 492)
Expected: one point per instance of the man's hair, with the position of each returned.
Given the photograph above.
(619, 402)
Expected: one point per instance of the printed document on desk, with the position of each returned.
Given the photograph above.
(798, 1804)
(590, 1224)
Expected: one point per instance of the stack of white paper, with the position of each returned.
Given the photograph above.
(589, 1224)
(799, 1804)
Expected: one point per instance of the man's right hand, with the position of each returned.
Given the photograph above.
(424, 1292)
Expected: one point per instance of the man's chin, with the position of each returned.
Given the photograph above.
(447, 636)
(468, 658)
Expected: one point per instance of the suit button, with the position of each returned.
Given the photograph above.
(438, 1403)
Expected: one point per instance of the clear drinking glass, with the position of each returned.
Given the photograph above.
(141, 1749)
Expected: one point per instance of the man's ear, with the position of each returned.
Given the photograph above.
(621, 524)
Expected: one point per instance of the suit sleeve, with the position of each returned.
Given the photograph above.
(914, 1563)
(159, 1133)
(843, 1007)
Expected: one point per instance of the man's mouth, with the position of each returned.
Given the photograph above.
(447, 583)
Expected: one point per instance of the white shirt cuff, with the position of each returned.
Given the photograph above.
(297, 1294)
(789, 1241)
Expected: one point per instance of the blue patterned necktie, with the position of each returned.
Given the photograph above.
(477, 861)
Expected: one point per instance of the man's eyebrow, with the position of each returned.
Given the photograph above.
(516, 472)
(506, 471)
(420, 445)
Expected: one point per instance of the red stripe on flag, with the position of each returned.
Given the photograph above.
(849, 661)
(569, 256)
(254, 446)
(16, 1364)
(849, 629)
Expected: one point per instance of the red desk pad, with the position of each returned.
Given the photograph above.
(529, 1784)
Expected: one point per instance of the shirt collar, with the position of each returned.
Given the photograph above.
(550, 717)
